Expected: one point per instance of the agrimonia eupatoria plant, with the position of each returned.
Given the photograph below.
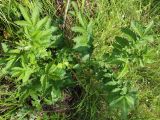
(38, 74)
(128, 51)
(83, 40)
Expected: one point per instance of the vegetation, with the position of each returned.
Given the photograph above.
(79, 60)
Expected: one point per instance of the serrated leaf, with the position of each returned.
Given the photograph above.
(20, 77)
(116, 90)
(149, 27)
(9, 64)
(27, 75)
(89, 27)
(80, 41)
(23, 62)
(124, 109)
(41, 23)
(148, 38)
(137, 28)
(25, 13)
(35, 15)
(122, 41)
(141, 63)
(85, 58)
(53, 29)
(79, 29)
(74, 4)
(46, 33)
(123, 72)
(81, 20)
(17, 68)
(130, 101)
(16, 74)
(76, 66)
(111, 83)
(43, 81)
(124, 90)
(47, 67)
(130, 34)
(117, 101)
(55, 94)
(117, 47)
(22, 23)
(48, 24)
(24, 95)
(4, 47)
(36, 35)
(22, 73)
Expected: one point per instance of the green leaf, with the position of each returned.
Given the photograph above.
(131, 36)
(16, 71)
(25, 13)
(130, 101)
(79, 29)
(32, 58)
(23, 60)
(46, 33)
(124, 71)
(116, 90)
(9, 64)
(111, 83)
(124, 108)
(124, 90)
(74, 4)
(81, 20)
(4, 47)
(117, 47)
(149, 27)
(85, 58)
(80, 41)
(89, 27)
(22, 23)
(22, 73)
(83, 5)
(35, 15)
(41, 23)
(35, 101)
(48, 24)
(24, 95)
(27, 75)
(137, 28)
(53, 29)
(59, 73)
(122, 41)
(148, 38)
(43, 82)
(56, 95)
(36, 35)
(115, 103)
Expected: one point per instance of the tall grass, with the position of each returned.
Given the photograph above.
(110, 17)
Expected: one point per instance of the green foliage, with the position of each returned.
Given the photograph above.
(40, 79)
(83, 40)
(127, 52)
(133, 45)
(30, 62)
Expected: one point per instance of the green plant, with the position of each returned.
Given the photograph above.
(38, 77)
(38, 74)
(83, 40)
(128, 51)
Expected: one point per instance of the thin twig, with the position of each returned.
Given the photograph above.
(66, 11)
